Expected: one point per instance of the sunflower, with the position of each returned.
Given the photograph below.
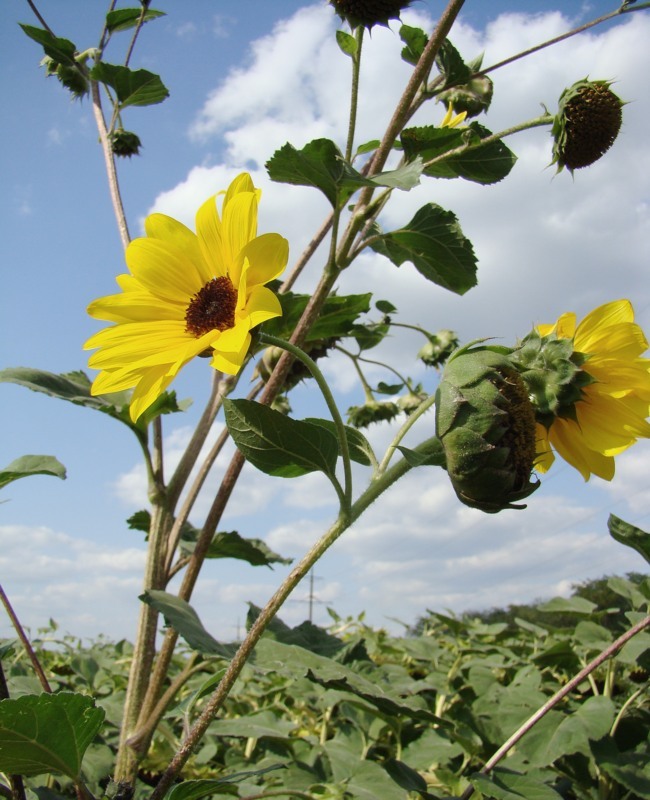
(187, 295)
(613, 402)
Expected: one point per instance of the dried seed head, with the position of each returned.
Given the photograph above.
(369, 12)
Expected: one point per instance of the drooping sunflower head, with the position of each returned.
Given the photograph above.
(486, 425)
(187, 294)
(369, 12)
(586, 125)
(590, 386)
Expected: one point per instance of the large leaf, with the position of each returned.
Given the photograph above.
(504, 784)
(306, 635)
(185, 621)
(31, 465)
(133, 87)
(124, 18)
(629, 535)
(279, 445)
(61, 50)
(321, 164)
(485, 164)
(75, 388)
(435, 244)
(47, 733)
(336, 319)
(358, 445)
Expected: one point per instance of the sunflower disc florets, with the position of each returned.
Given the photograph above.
(486, 425)
(369, 12)
(587, 123)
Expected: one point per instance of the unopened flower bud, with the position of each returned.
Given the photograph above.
(486, 424)
(473, 97)
(125, 143)
(372, 411)
(438, 349)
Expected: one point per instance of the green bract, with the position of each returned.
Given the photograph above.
(486, 424)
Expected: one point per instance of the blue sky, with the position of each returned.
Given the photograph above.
(243, 82)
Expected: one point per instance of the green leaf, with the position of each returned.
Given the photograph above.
(132, 87)
(229, 544)
(503, 784)
(279, 445)
(47, 733)
(31, 465)
(180, 616)
(321, 164)
(385, 306)
(429, 454)
(484, 164)
(368, 147)
(337, 318)
(573, 605)
(358, 445)
(194, 790)
(435, 244)
(629, 535)
(415, 40)
(451, 65)
(61, 50)
(124, 18)
(347, 44)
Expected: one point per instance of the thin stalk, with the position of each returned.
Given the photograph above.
(367, 389)
(406, 427)
(560, 695)
(269, 611)
(624, 709)
(354, 93)
(345, 495)
(31, 654)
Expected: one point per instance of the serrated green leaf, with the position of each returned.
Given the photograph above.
(180, 616)
(61, 50)
(503, 784)
(358, 445)
(415, 40)
(303, 644)
(31, 465)
(629, 535)
(124, 18)
(484, 164)
(435, 244)
(279, 445)
(338, 316)
(47, 733)
(229, 544)
(347, 44)
(451, 65)
(132, 87)
(194, 790)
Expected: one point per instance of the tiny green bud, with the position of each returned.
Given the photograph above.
(372, 411)
(125, 143)
(438, 349)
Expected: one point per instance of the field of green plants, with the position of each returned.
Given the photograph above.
(353, 712)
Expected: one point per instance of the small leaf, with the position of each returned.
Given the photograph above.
(133, 87)
(229, 544)
(389, 388)
(124, 18)
(484, 164)
(61, 50)
(368, 147)
(347, 44)
(385, 306)
(47, 733)
(358, 445)
(573, 605)
(184, 620)
(629, 535)
(451, 65)
(31, 465)
(435, 244)
(279, 445)
(196, 789)
(503, 784)
(415, 40)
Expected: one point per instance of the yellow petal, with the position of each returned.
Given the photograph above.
(239, 228)
(590, 329)
(262, 305)
(134, 306)
(149, 389)
(231, 362)
(165, 271)
(267, 257)
(567, 441)
(210, 235)
(170, 230)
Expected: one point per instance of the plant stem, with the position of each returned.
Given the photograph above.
(216, 700)
(346, 499)
(354, 93)
(36, 664)
(553, 701)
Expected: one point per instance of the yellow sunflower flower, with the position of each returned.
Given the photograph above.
(451, 120)
(614, 403)
(187, 295)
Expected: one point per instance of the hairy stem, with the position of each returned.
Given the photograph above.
(36, 664)
(608, 652)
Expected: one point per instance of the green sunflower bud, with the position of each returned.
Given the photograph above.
(486, 424)
(369, 12)
(438, 349)
(411, 401)
(586, 125)
(473, 97)
(372, 411)
(125, 144)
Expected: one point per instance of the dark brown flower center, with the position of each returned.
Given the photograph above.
(212, 308)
